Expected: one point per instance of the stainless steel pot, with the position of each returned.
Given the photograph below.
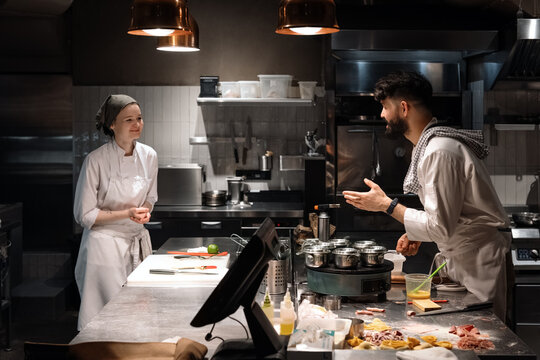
(310, 296)
(526, 218)
(316, 256)
(331, 247)
(346, 258)
(372, 255)
(215, 197)
(340, 243)
(363, 243)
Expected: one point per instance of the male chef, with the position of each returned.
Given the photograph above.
(462, 213)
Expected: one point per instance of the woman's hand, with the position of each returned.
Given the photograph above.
(139, 215)
(373, 200)
(407, 247)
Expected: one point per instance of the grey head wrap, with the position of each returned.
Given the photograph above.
(109, 110)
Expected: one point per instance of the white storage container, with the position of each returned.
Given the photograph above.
(275, 86)
(229, 89)
(249, 89)
(307, 89)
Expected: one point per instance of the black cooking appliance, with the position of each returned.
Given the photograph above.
(526, 260)
(357, 282)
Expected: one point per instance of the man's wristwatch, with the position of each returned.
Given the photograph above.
(393, 204)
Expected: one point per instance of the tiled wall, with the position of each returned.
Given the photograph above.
(514, 154)
(171, 116)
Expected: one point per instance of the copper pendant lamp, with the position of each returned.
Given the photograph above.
(159, 18)
(181, 43)
(307, 17)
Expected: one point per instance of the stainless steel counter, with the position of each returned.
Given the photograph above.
(258, 209)
(155, 314)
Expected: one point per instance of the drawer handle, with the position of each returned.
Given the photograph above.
(210, 225)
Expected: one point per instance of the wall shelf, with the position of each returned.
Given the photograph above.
(255, 102)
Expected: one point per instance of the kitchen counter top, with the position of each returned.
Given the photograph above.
(143, 314)
(257, 209)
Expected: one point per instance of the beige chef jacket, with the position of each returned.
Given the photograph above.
(462, 215)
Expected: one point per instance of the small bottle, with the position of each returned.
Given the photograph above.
(267, 306)
(287, 315)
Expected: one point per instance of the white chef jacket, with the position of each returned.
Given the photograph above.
(462, 215)
(108, 253)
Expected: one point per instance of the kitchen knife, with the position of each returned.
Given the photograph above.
(202, 267)
(173, 272)
(470, 307)
(247, 140)
(233, 141)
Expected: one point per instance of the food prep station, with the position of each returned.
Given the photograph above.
(168, 311)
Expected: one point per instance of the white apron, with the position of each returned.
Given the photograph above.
(483, 271)
(109, 253)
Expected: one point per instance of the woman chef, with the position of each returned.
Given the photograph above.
(115, 193)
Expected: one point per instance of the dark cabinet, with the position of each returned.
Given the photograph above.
(161, 229)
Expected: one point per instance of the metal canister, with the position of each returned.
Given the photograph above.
(324, 226)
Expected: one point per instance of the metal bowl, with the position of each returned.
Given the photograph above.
(215, 197)
(526, 218)
(372, 255)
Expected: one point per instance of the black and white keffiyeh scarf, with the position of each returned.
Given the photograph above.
(474, 139)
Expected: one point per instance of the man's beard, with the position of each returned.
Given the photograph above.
(396, 128)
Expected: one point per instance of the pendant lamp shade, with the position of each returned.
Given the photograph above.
(181, 43)
(307, 17)
(159, 18)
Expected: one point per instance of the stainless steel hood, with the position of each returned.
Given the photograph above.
(523, 61)
(493, 40)
(362, 56)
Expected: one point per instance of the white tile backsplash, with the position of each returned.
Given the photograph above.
(171, 116)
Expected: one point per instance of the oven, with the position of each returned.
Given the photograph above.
(526, 260)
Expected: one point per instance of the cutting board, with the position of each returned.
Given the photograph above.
(141, 275)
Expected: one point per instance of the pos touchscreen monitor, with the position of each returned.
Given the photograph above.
(239, 287)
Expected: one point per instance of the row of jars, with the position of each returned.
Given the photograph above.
(340, 252)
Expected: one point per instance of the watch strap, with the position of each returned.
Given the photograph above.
(393, 204)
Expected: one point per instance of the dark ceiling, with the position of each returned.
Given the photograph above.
(426, 14)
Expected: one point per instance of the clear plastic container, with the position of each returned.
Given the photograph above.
(307, 89)
(275, 86)
(229, 89)
(249, 89)
(413, 282)
(397, 259)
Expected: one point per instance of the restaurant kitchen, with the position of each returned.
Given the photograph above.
(51, 91)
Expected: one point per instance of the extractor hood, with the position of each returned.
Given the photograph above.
(523, 61)
(496, 41)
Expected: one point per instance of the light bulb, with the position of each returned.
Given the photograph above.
(177, 48)
(307, 30)
(158, 32)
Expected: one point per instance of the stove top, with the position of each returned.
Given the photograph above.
(526, 248)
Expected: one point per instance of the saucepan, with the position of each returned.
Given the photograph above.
(526, 218)
(215, 198)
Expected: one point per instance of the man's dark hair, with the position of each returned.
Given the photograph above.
(407, 85)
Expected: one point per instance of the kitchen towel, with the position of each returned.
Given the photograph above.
(426, 354)
(473, 139)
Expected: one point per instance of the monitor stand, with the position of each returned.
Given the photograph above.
(243, 349)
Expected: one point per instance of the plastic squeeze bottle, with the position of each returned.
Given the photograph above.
(267, 306)
(287, 315)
